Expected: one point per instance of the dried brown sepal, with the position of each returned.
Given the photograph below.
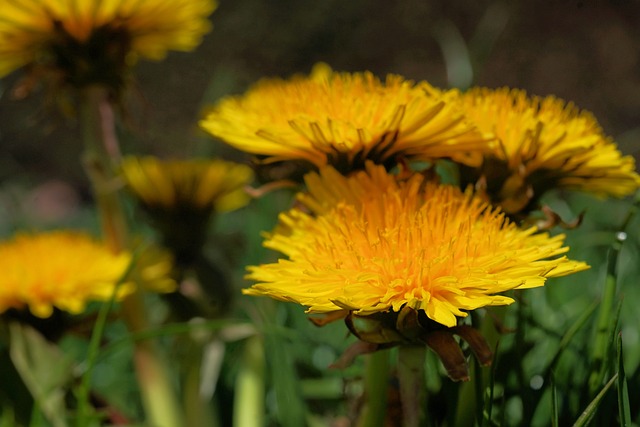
(408, 324)
(269, 187)
(476, 342)
(354, 350)
(375, 328)
(448, 350)
(552, 219)
(327, 318)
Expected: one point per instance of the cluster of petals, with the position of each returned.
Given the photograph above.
(30, 30)
(180, 184)
(60, 269)
(374, 242)
(343, 119)
(545, 143)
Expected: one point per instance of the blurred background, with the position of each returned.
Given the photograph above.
(584, 51)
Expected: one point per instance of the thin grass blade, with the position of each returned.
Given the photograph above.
(590, 410)
(623, 391)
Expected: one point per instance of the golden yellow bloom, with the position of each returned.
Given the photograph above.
(343, 119)
(544, 143)
(60, 269)
(181, 195)
(200, 184)
(374, 243)
(84, 39)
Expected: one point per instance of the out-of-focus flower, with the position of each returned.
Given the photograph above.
(153, 268)
(344, 119)
(374, 242)
(60, 269)
(181, 195)
(543, 143)
(96, 41)
(202, 185)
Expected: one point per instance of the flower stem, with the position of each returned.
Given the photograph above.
(101, 156)
(248, 408)
(84, 411)
(375, 388)
(411, 360)
(99, 163)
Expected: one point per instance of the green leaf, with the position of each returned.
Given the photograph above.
(44, 369)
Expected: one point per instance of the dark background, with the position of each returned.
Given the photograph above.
(583, 51)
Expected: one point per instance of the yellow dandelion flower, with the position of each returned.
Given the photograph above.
(181, 195)
(545, 143)
(198, 184)
(81, 38)
(375, 243)
(60, 269)
(343, 119)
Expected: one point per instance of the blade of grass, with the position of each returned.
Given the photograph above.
(568, 336)
(478, 383)
(623, 391)
(85, 411)
(554, 402)
(488, 404)
(604, 325)
(291, 408)
(590, 410)
(604, 322)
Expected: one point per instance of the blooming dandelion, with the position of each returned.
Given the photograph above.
(94, 41)
(202, 185)
(544, 143)
(373, 243)
(60, 269)
(344, 119)
(181, 195)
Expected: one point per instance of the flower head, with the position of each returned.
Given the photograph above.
(373, 242)
(199, 184)
(181, 195)
(544, 143)
(95, 41)
(343, 119)
(59, 269)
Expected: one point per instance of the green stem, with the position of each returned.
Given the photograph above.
(98, 127)
(411, 376)
(248, 409)
(199, 409)
(101, 156)
(375, 388)
(84, 411)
